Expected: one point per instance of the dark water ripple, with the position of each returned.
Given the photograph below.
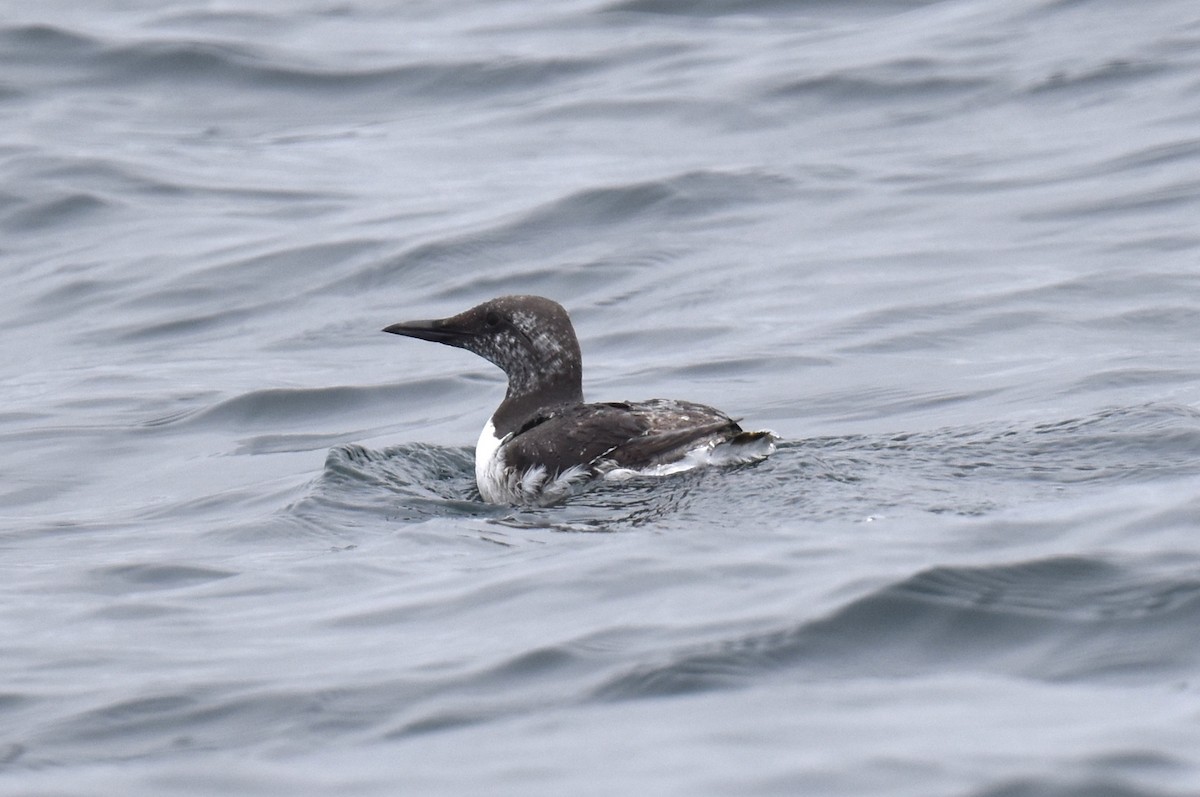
(90, 60)
(215, 65)
(22, 42)
(717, 8)
(900, 81)
(1060, 620)
(577, 218)
(60, 211)
(1080, 788)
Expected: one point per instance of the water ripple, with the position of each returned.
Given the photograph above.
(580, 216)
(1054, 619)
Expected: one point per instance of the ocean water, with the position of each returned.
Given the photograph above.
(949, 251)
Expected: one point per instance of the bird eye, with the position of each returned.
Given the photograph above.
(492, 320)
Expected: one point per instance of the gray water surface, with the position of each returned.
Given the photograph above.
(949, 251)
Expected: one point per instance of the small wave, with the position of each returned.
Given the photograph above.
(140, 723)
(224, 64)
(1053, 619)
(582, 216)
(875, 85)
(187, 326)
(688, 195)
(74, 295)
(154, 576)
(1179, 194)
(974, 470)
(298, 407)
(118, 177)
(1117, 378)
(408, 483)
(226, 20)
(40, 41)
(71, 209)
(717, 8)
(242, 277)
(1125, 443)
(1067, 787)
(1181, 152)
(212, 300)
(1102, 76)
(514, 680)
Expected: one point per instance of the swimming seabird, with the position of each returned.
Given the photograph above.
(543, 440)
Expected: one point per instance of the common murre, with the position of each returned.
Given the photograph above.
(544, 440)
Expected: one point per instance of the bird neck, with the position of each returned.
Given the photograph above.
(522, 402)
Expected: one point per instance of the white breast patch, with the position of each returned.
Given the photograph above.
(489, 469)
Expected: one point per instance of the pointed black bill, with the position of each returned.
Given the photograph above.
(438, 331)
